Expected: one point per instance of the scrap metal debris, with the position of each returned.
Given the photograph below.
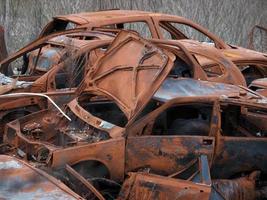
(100, 112)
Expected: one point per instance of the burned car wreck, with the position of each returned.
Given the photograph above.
(29, 92)
(137, 128)
(129, 105)
(59, 84)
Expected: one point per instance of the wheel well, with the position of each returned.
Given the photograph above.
(92, 168)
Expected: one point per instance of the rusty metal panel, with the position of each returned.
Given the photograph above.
(149, 187)
(235, 154)
(110, 153)
(20, 180)
(165, 154)
(178, 88)
(135, 79)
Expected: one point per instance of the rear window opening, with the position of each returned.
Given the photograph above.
(211, 67)
(251, 73)
(57, 25)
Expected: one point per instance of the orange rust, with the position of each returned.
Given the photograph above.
(158, 123)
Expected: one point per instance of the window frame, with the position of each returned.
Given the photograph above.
(219, 43)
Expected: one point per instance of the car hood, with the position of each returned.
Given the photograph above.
(130, 72)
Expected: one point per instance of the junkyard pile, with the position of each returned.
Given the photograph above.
(130, 105)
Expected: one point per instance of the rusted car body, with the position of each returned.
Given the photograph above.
(58, 82)
(146, 119)
(54, 84)
(260, 86)
(19, 180)
(217, 66)
(151, 25)
(3, 50)
(38, 57)
(252, 64)
(194, 185)
(159, 123)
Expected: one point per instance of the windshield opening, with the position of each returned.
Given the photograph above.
(104, 109)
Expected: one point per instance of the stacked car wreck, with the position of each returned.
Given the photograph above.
(112, 115)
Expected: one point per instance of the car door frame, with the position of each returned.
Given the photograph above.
(146, 151)
(235, 153)
(131, 19)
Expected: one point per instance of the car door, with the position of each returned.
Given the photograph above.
(170, 150)
(242, 143)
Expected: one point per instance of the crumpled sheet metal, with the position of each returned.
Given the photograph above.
(149, 186)
(22, 181)
(175, 88)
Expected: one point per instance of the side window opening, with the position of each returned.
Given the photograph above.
(166, 34)
(211, 67)
(58, 25)
(256, 88)
(141, 28)
(19, 66)
(186, 32)
(180, 69)
(250, 72)
(70, 25)
(184, 120)
(243, 122)
(35, 62)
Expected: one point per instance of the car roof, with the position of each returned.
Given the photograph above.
(186, 87)
(60, 40)
(73, 39)
(87, 17)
